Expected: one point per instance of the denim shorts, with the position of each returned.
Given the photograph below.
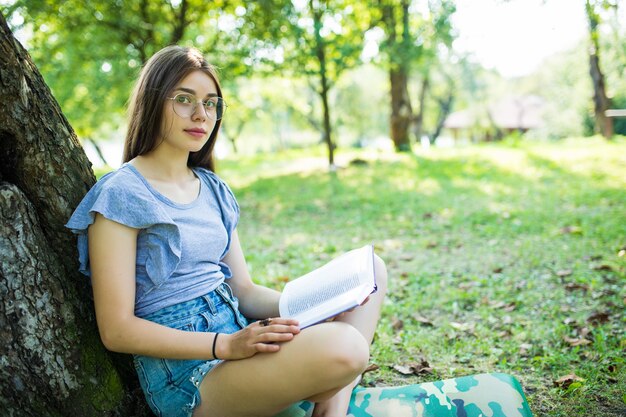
(171, 385)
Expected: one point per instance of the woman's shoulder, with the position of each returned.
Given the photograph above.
(123, 179)
(121, 196)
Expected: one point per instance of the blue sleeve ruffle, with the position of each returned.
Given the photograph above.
(119, 197)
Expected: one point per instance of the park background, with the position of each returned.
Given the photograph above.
(482, 165)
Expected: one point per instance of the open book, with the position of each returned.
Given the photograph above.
(342, 284)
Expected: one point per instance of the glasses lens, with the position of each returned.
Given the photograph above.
(215, 108)
(185, 106)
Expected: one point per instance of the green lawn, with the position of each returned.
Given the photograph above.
(501, 258)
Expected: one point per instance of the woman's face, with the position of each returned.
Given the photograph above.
(186, 126)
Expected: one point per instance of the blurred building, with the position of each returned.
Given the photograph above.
(496, 120)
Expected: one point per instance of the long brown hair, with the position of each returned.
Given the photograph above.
(163, 71)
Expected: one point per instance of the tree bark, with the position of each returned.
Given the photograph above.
(320, 52)
(52, 360)
(401, 112)
(418, 119)
(601, 102)
(445, 105)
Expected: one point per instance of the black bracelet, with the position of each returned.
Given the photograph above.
(215, 343)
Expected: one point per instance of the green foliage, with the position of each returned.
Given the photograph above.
(500, 258)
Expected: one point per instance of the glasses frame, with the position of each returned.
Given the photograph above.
(195, 106)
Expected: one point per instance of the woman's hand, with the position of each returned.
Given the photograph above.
(260, 336)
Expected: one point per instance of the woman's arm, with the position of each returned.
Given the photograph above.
(255, 301)
(112, 257)
(112, 254)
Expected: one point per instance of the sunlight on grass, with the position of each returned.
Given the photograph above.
(509, 252)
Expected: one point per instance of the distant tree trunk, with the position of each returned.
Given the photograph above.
(401, 112)
(95, 145)
(418, 121)
(400, 109)
(445, 105)
(53, 363)
(320, 52)
(601, 102)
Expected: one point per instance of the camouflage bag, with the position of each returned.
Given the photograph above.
(483, 395)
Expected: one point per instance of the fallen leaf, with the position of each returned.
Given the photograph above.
(370, 368)
(572, 230)
(504, 334)
(423, 367)
(602, 267)
(397, 324)
(573, 342)
(283, 279)
(427, 216)
(584, 332)
(598, 317)
(564, 273)
(466, 285)
(461, 326)
(422, 320)
(431, 245)
(498, 304)
(498, 270)
(524, 348)
(567, 380)
(621, 253)
(510, 307)
(403, 369)
(571, 286)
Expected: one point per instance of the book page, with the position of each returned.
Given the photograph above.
(302, 301)
(350, 272)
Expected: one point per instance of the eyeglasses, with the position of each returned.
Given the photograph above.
(186, 104)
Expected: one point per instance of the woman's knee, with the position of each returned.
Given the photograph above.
(380, 270)
(345, 350)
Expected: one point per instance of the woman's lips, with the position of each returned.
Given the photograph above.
(197, 133)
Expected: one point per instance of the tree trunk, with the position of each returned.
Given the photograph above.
(401, 112)
(400, 108)
(418, 121)
(96, 146)
(601, 102)
(53, 363)
(321, 57)
(445, 105)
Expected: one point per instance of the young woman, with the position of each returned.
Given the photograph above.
(158, 238)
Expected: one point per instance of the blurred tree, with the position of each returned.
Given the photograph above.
(601, 101)
(321, 39)
(411, 42)
(91, 52)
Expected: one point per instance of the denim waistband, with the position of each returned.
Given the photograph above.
(211, 301)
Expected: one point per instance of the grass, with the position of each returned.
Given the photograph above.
(501, 258)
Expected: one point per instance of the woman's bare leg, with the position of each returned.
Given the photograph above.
(364, 319)
(322, 364)
(317, 363)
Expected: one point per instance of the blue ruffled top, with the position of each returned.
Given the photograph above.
(179, 246)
